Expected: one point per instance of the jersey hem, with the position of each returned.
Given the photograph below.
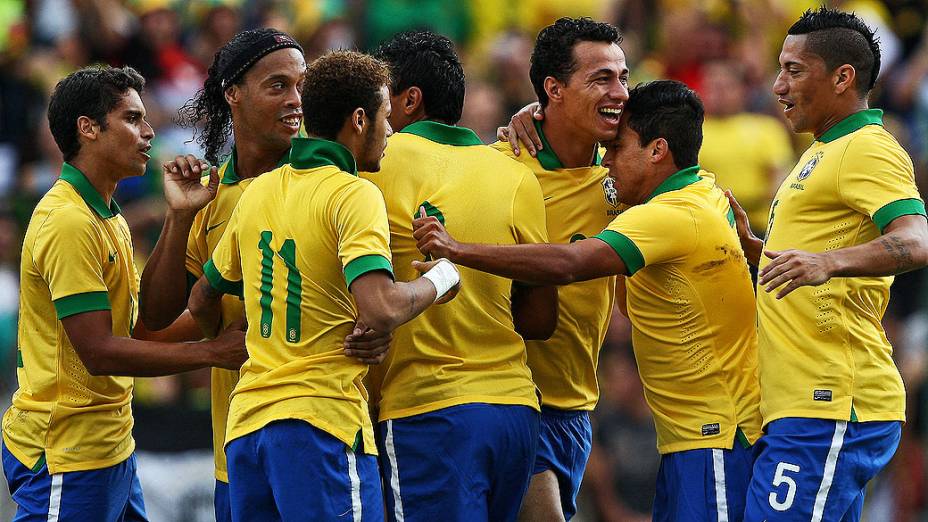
(726, 440)
(343, 437)
(825, 415)
(399, 413)
(71, 466)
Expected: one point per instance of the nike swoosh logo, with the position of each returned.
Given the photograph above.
(548, 197)
(209, 228)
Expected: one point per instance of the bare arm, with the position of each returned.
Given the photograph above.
(205, 306)
(534, 311)
(163, 294)
(902, 247)
(103, 353)
(751, 244)
(384, 305)
(185, 328)
(542, 264)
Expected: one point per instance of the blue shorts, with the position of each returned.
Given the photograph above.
(291, 470)
(816, 469)
(704, 485)
(221, 502)
(467, 462)
(564, 448)
(110, 494)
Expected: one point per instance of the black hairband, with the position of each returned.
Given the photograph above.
(261, 48)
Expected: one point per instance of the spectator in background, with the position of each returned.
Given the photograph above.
(748, 152)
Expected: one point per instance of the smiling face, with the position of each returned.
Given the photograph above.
(268, 107)
(375, 136)
(125, 142)
(596, 92)
(804, 87)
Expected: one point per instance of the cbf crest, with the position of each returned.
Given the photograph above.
(809, 166)
(610, 192)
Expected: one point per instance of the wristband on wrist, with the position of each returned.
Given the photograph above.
(444, 276)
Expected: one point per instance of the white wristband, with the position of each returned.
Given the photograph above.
(444, 276)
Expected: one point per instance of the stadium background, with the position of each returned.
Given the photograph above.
(725, 49)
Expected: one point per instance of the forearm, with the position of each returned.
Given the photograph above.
(134, 358)
(163, 292)
(398, 305)
(541, 264)
(753, 247)
(890, 254)
(205, 306)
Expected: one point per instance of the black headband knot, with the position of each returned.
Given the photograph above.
(264, 46)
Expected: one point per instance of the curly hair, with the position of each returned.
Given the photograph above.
(554, 49)
(427, 60)
(209, 108)
(93, 92)
(841, 38)
(337, 84)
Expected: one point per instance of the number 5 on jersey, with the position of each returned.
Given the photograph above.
(780, 478)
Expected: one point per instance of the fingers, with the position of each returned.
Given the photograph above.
(188, 166)
(511, 136)
(523, 134)
(423, 266)
(213, 185)
(424, 225)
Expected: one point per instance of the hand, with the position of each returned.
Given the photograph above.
(751, 244)
(522, 128)
(796, 267)
(424, 266)
(183, 189)
(432, 238)
(367, 345)
(229, 348)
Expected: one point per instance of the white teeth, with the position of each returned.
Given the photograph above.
(606, 110)
(291, 121)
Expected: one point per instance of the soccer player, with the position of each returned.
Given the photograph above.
(458, 410)
(842, 224)
(67, 438)
(580, 77)
(307, 247)
(696, 346)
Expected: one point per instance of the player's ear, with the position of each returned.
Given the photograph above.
(659, 149)
(87, 127)
(232, 94)
(553, 88)
(358, 120)
(844, 78)
(412, 100)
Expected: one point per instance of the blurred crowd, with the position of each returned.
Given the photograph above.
(725, 49)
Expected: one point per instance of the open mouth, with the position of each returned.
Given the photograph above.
(787, 105)
(144, 152)
(293, 121)
(611, 114)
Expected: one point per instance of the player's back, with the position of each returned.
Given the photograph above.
(467, 350)
(301, 240)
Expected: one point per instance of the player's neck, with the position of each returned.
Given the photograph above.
(253, 159)
(840, 113)
(97, 173)
(567, 143)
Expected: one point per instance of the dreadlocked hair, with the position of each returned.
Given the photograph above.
(207, 112)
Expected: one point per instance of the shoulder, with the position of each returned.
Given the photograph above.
(874, 145)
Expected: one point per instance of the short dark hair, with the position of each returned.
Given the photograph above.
(230, 63)
(337, 84)
(427, 60)
(554, 49)
(842, 38)
(93, 92)
(667, 109)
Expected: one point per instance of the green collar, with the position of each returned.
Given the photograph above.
(852, 123)
(88, 193)
(309, 153)
(444, 134)
(230, 176)
(677, 181)
(547, 157)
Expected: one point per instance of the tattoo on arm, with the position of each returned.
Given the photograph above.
(900, 253)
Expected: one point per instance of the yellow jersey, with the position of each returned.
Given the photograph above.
(208, 226)
(747, 152)
(296, 240)
(77, 257)
(696, 346)
(579, 203)
(823, 351)
(467, 350)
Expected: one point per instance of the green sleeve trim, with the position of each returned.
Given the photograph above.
(365, 264)
(626, 249)
(19, 359)
(731, 217)
(80, 303)
(902, 207)
(219, 283)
